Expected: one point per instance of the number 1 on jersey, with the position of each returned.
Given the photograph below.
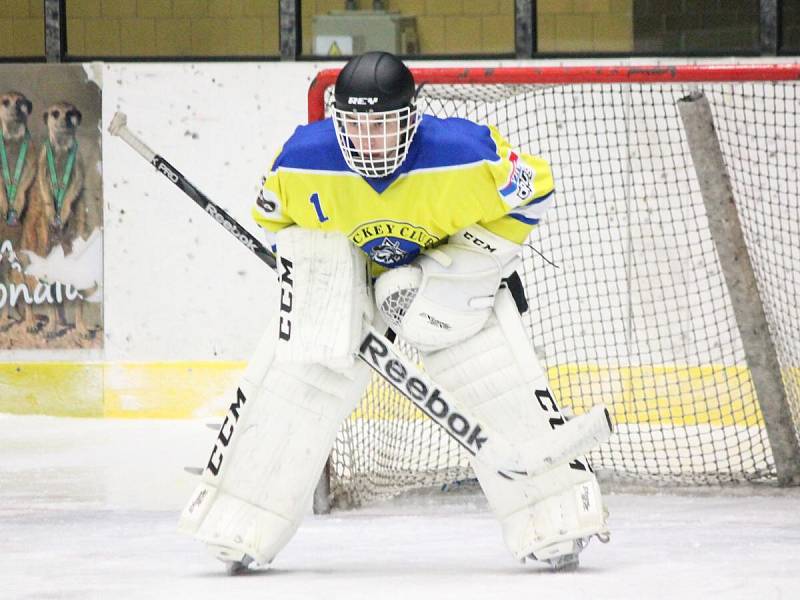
(318, 207)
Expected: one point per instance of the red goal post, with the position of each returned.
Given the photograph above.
(326, 78)
(687, 328)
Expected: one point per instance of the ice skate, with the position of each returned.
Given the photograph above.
(562, 556)
(236, 561)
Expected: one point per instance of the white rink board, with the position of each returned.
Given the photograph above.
(179, 286)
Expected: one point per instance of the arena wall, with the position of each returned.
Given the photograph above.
(184, 304)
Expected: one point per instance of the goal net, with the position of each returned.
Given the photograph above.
(628, 302)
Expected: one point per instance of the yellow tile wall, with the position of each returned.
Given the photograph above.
(21, 28)
(443, 26)
(487, 26)
(584, 25)
(180, 28)
(250, 27)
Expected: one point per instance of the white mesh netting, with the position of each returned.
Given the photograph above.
(628, 304)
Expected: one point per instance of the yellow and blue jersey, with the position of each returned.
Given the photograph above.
(457, 173)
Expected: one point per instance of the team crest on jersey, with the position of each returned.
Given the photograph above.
(388, 252)
(392, 243)
(520, 181)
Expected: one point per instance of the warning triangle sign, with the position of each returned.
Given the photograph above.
(334, 50)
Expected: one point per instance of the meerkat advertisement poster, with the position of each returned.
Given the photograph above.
(51, 219)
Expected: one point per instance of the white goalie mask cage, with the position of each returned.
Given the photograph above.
(375, 144)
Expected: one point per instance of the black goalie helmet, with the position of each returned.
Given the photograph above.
(374, 113)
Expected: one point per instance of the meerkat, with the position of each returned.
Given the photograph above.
(18, 156)
(56, 212)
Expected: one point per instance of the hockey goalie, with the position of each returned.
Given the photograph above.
(382, 216)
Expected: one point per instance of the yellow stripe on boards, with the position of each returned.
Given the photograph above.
(53, 388)
(163, 390)
(173, 390)
(670, 395)
(666, 395)
(662, 395)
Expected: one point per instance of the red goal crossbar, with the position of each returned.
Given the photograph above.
(566, 75)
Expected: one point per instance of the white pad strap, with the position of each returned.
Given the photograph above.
(324, 297)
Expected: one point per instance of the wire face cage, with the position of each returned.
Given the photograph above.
(629, 301)
(375, 144)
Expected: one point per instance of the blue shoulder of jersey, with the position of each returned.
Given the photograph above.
(438, 143)
(312, 147)
(449, 142)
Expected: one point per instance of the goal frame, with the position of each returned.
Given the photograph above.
(759, 347)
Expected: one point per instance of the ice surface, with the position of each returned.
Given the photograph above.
(88, 509)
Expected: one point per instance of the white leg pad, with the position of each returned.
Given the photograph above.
(538, 515)
(234, 529)
(325, 297)
(259, 482)
(497, 376)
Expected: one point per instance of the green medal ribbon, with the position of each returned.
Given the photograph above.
(11, 184)
(60, 192)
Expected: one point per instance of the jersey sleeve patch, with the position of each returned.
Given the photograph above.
(268, 210)
(518, 188)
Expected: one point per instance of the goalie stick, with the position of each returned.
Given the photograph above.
(578, 436)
